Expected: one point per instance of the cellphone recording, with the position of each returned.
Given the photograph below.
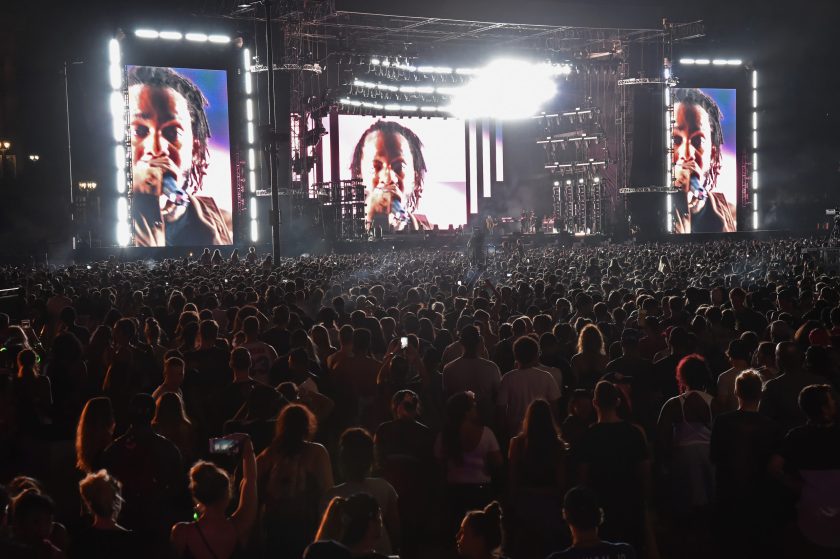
(224, 445)
(403, 342)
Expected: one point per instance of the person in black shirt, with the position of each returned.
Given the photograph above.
(614, 462)
(741, 445)
(104, 538)
(584, 517)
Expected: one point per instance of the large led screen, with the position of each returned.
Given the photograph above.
(414, 170)
(705, 170)
(181, 191)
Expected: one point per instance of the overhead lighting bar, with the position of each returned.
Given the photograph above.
(219, 39)
(196, 37)
(146, 34)
(171, 35)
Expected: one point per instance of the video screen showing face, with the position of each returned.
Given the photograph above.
(414, 170)
(180, 157)
(705, 170)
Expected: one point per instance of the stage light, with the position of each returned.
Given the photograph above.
(114, 52)
(120, 182)
(465, 71)
(115, 76)
(386, 63)
(392, 107)
(556, 183)
(686, 61)
(171, 35)
(505, 89)
(754, 79)
(428, 108)
(252, 181)
(375, 62)
(254, 232)
(146, 34)
(755, 220)
(249, 110)
(755, 201)
(596, 180)
(755, 98)
(719, 62)
(668, 222)
(118, 115)
(248, 87)
(425, 89)
(755, 120)
(252, 159)
(755, 161)
(119, 157)
(447, 90)
(123, 234)
(219, 39)
(250, 129)
(122, 209)
(701, 61)
(755, 179)
(34, 157)
(253, 207)
(580, 181)
(755, 139)
(568, 182)
(733, 62)
(409, 108)
(196, 37)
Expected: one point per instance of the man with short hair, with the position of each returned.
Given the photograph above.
(474, 374)
(173, 378)
(521, 386)
(779, 399)
(584, 517)
(741, 445)
(739, 359)
(67, 323)
(262, 354)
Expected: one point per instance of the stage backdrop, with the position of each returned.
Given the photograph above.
(726, 187)
(443, 201)
(216, 187)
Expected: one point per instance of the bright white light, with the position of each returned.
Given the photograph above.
(123, 234)
(668, 222)
(580, 181)
(755, 160)
(171, 35)
(686, 61)
(355, 103)
(254, 232)
(409, 108)
(428, 108)
(755, 79)
(568, 182)
(115, 76)
(755, 139)
(386, 63)
(734, 62)
(252, 181)
(250, 129)
(253, 207)
(755, 120)
(719, 62)
(120, 182)
(755, 220)
(755, 201)
(755, 180)
(119, 157)
(392, 107)
(448, 90)
(248, 87)
(465, 71)
(219, 39)
(117, 115)
(375, 62)
(667, 98)
(556, 183)
(146, 34)
(252, 158)
(122, 209)
(666, 72)
(701, 61)
(596, 180)
(246, 59)
(114, 52)
(505, 89)
(197, 37)
(755, 98)
(249, 109)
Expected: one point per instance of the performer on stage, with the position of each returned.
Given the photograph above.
(698, 138)
(490, 224)
(389, 159)
(169, 148)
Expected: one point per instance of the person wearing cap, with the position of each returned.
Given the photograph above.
(584, 516)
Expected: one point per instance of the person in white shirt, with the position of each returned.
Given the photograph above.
(523, 385)
(262, 354)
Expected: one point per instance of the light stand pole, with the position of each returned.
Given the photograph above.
(69, 148)
(272, 148)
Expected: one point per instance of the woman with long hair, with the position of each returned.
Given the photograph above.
(590, 362)
(171, 422)
(481, 535)
(321, 340)
(214, 534)
(537, 457)
(98, 356)
(469, 454)
(95, 431)
(294, 475)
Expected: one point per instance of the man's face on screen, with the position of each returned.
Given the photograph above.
(693, 147)
(387, 162)
(161, 129)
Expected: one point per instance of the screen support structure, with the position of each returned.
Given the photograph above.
(272, 127)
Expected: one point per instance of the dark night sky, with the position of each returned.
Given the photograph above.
(794, 44)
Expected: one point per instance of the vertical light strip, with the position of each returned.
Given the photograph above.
(754, 180)
(473, 170)
(485, 159)
(669, 133)
(500, 152)
(115, 77)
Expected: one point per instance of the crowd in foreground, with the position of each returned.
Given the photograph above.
(616, 401)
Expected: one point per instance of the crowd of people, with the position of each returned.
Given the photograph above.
(612, 401)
